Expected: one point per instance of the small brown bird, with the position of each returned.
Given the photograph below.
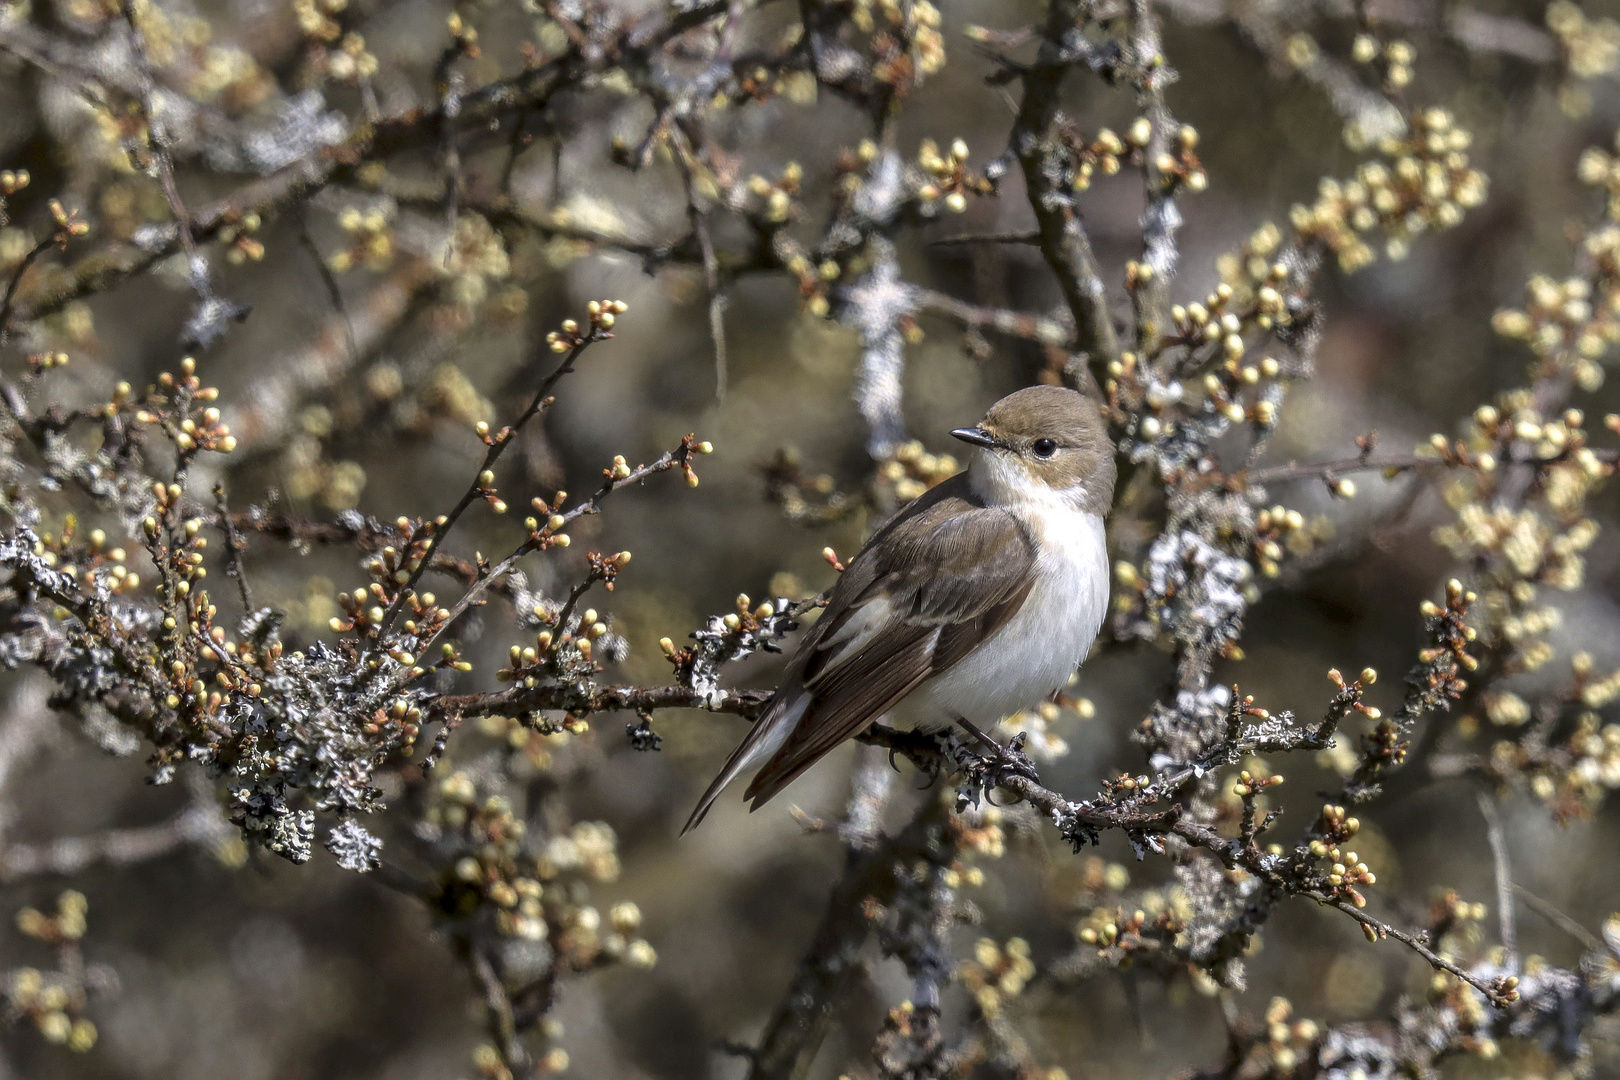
(979, 598)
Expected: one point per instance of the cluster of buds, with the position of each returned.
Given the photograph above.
(521, 739)
(82, 561)
(365, 610)
(1591, 46)
(997, 973)
(317, 19)
(1451, 917)
(475, 257)
(1594, 693)
(191, 645)
(564, 645)
(1594, 767)
(602, 314)
(1567, 324)
(746, 619)
(397, 726)
(815, 278)
(484, 485)
(240, 246)
(68, 225)
(905, 38)
(491, 875)
(54, 1002)
(1601, 169)
(39, 363)
(1491, 435)
(1120, 935)
(1573, 774)
(590, 849)
(370, 240)
(1423, 183)
(350, 61)
(546, 525)
(1394, 57)
(1288, 1042)
(1126, 786)
(1280, 531)
(1263, 287)
(1180, 167)
(1041, 741)
(805, 498)
(1456, 934)
(1222, 316)
(585, 942)
(181, 407)
(775, 199)
(1248, 785)
(911, 470)
(1177, 167)
(463, 35)
(1239, 389)
(945, 177)
(390, 569)
(1103, 154)
(11, 182)
(981, 833)
(1339, 757)
(1521, 547)
(1235, 387)
(1335, 825)
(532, 889)
(738, 633)
(1150, 404)
(758, 83)
(1504, 708)
(1099, 878)
(1347, 871)
(1438, 681)
(67, 925)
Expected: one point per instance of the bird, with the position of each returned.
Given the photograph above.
(977, 599)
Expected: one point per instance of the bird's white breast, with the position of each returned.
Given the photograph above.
(1036, 651)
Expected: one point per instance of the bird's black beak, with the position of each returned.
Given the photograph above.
(975, 435)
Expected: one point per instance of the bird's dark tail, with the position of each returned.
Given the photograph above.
(763, 740)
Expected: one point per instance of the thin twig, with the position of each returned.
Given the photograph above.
(1504, 881)
(671, 460)
(499, 441)
(16, 279)
(1063, 238)
(115, 847)
(1568, 925)
(333, 292)
(234, 546)
(1020, 237)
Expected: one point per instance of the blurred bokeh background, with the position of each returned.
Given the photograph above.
(257, 969)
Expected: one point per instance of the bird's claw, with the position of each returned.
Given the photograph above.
(989, 764)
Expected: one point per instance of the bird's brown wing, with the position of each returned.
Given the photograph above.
(926, 591)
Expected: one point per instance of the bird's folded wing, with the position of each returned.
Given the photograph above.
(915, 602)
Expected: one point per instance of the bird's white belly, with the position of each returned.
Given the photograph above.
(1036, 651)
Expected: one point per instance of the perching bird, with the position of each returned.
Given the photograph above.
(978, 599)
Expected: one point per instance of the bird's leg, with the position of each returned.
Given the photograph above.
(946, 749)
(1001, 760)
(930, 752)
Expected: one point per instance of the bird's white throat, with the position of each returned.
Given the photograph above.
(1002, 481)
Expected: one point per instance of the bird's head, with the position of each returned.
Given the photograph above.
(1041, 441)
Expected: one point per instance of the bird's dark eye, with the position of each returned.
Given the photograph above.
(1044, 448)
